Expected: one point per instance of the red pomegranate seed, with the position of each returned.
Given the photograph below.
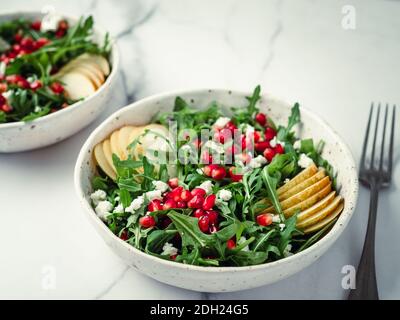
(198, 192)
(279, 149)
(213, 228)
(256, 136)
(261, 146)
(261, 118)
(231, 126)
(232, 150)
(175, 194)
(3, 87)
(11, 55)
(37, 84)
(204, 223)
(206, 157)
(27, 43)
(63, 25)
(198, 213)
(231, 244)
(16, 48)
(207, 169)
(173, 182)
(35, 25)
(60, 33)
(212, 216)
(196, 202)
(181, 204)
(155, 205)
(269, 133)
(245, 158)
(235, 176)
(196, 142)
(223, 135)
(124, 235)
(169, 204)
(186, 195)
(209, 202)
(147, 221)
(6, 108)
(264, 219)
(218, 173)
(173, 257)
(57, 88)
(269, 154)
(41, 42)
(18, 37)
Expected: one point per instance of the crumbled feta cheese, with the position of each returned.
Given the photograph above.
(30, 79)
(257, 162)
(218, 148)
(50, 22)
(97, 196)
(276, 218)
(282, 226)
(286, 180)
(37, 109)
(199, 171)
(152, 195)
(117, 199)
(7, 94)
(273, 142)
(119, 209)
(224, 195)
(103, 209)
(169, 249)
(297, 144)
(221, 122)
(3, 67)
(136, 204)
(287, 250)
(304, 161)
(160, 185)
(249, 130)
(241, 240)
(207, 186)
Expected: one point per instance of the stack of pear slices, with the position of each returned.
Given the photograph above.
(312, 195)
(117, 143)
(83, 75)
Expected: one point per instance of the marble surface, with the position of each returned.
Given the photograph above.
(297, 50)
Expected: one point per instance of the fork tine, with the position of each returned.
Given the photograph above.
(364, 150)
(390, 163)
(375, 135)
(383, 139)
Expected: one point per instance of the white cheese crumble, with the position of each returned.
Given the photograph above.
(3, 67)
(274, 142)
(276, 218)
(304, 161)
(282, 226)
(206, 186)
(286, 180)
(287, 250)
(218, 148)
(241, 240)
(97, 196)
(169, 249)
(50, 22)
(155, 194)
(160, 185)
(119, 209)
(221, 122)
(257, 162)
(103, 209)
(7, 94)
(37, 109)
(135, 204)
(200, 171)
(297, 144)
(224, 195)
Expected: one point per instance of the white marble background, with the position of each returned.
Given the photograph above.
(297, 50)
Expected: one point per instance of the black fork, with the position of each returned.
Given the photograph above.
(374, 175)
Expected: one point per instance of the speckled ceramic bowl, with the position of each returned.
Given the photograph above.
(219, 279)
(57, 126)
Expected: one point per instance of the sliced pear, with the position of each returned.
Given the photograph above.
(114, 143)
(87, 73)
(305, 174)
(155, 142)
(326, 220)
(135, 133)
(309, 201)
(108, 153)
(100, 61)
(123, 140)
(320, 205)
(320, 215)
(88, 65)
(77, 85)
(102, 161)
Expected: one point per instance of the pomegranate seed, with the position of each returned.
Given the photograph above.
(198, 192)
(155, 205)
(37, 84)
(147, 221)
(181, 204)
(208, 169)
(232, 150)
(27, 43)
(3, 87)
(209, 202)
(175, 194)
(223, 135)
(231, 126)
(35, 25)
(213, 228)
(198, 213)
(124, 235)
(63, 25)
(204, 223)
(269, 154)
(261, 146)
(269, 133)
(196, 142)
(264, 219)
(169, 204)
(212, 216)
(206, 158)
(245, 158)
(256, 136)
(18, 37)
(41, 42)
(60, 33)
(16, 48)
(196, 202)
(6, 108)
(173, 257)
(11, 55)
(186, 195)
(279, 149)
(231, 244)
(218, 173)
(261, 118)
(57, 88)
(235, 176)
(173, 182)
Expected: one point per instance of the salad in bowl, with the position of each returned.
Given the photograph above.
(225, 186)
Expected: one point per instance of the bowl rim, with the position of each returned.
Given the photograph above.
(332, 235)
(115, 61)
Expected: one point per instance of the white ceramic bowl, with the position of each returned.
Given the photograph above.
(57, 126)
(219, 279)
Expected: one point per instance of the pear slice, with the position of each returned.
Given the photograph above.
(135, 133)
(326, 220)
(108, 153)
(100, 61)
(320, 215)
(77, 85)
(320, 205)
(102, 161)
(114, 143)
(123, 140)
(155, 142)
(305, 174)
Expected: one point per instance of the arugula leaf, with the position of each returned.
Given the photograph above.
(2, 117)
(271, 183)
(125, 197)
(157, 239)
(286, 234)
(284, 133)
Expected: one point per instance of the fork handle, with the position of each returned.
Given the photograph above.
(366, 286)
